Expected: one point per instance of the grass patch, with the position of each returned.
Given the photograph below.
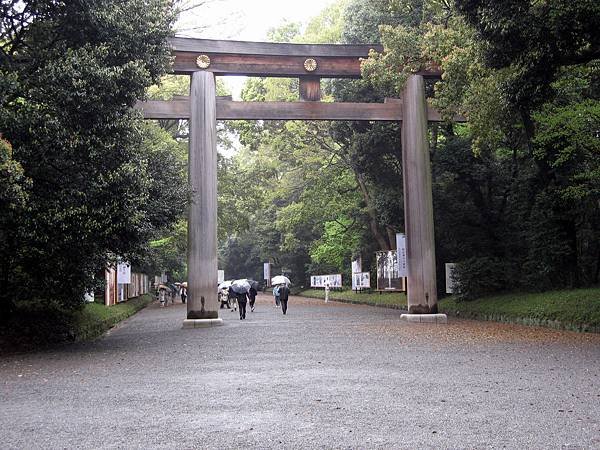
(395, 300)
(94, 319)
(577, 309)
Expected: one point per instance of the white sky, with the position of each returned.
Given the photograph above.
(247, 20)
(244, 20)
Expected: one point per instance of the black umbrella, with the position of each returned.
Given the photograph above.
(240, 286)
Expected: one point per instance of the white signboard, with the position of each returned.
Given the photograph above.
(357, 265)
(387, 272)
(123, 273)
(334, 280)
(267, 271)
(361, 280)
(401, 254)
(449, 281)
(220, 276)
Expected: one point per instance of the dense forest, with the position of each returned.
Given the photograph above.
(83, 180)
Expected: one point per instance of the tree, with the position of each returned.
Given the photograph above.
(534, 39)
(70, 73)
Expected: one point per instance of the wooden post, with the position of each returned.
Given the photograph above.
(418, 202)
(310, 89)
(202, 304)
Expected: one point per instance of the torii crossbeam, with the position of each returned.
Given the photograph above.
(204, 59)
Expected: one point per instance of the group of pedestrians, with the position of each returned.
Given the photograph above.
(281, 293)
(167, 291)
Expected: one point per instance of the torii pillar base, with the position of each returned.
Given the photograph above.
(202, 323)
(424, 318)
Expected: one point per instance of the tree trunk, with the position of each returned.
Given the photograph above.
(379, 237)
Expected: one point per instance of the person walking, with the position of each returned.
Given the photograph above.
(252, 297)
(183, 294)
(232, 298)
(284, 292)
(241, 299)
(326, 292)
(276, 295)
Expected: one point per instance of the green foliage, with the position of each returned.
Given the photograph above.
(13, 192)
(478, 277)
(340, 240)
(534, 40)
(169, 253)
(567, 140)
(70, 74)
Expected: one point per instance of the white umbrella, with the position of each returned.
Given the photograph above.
(280, 279)
(225, 284)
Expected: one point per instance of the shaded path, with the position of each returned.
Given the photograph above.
(324, 376)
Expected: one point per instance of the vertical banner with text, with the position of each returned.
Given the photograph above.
(401, 252)
(267, 273)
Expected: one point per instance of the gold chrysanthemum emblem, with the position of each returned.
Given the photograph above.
(203, 61)
(310, 65)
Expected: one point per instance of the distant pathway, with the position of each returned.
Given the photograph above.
(324, 376)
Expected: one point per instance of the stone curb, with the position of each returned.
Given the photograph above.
(202, 323)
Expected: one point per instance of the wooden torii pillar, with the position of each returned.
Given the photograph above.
(203, 59)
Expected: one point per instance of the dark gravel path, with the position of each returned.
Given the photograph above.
(324, 376)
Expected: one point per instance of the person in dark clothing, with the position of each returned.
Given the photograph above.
(232, 297)
(241, 299)
(284, 293)
(252, 297)
(183, 294)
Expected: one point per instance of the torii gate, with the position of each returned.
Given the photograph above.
(203, 59)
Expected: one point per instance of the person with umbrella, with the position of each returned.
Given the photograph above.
(276, 296)
(224, 295)
(231, 298)
(183, 291)
(242, 297)
(283, 292)
(241, 288)
(252, 294)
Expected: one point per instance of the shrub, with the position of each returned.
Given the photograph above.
(479, 276)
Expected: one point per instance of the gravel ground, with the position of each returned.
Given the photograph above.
(324, 376)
